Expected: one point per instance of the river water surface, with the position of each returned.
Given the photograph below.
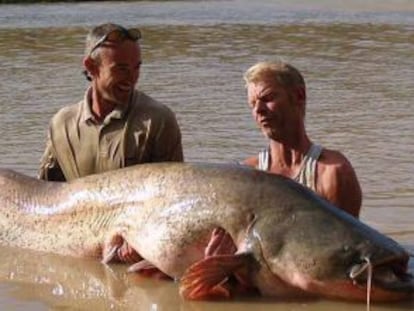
(358, 61)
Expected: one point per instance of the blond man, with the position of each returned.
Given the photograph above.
(276, 95)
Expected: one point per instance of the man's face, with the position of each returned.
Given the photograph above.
(274, 108)
(118, 72)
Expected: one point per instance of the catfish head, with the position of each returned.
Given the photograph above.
(313, 248)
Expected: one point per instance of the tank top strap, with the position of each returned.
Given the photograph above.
(307, 172)
(264, 159)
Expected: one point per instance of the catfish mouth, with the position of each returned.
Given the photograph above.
(390, 275)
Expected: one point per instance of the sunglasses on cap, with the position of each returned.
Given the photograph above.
(118, 34)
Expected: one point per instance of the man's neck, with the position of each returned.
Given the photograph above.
(101, 109)
(289, 154)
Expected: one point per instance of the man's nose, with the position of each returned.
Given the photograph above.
(259, 106)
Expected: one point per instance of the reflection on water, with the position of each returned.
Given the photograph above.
(356, 57)
(75, 284)
(63, 282)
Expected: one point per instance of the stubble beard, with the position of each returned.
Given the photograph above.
(118, 100)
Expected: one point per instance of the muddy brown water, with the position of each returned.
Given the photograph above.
(359, 66)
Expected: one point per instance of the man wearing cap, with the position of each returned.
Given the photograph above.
(114, 125)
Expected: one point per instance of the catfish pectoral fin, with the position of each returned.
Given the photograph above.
(109, 254)
(111, 247)
(216, 277)
(117, 249)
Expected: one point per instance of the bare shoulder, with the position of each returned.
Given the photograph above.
(338, 182)
(252, 161)
(334, 161)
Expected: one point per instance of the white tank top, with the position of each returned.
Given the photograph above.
(307, 172)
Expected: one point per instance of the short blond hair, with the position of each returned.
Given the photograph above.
(280, 72)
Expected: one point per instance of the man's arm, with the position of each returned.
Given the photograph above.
(251, 161)
(339, 184)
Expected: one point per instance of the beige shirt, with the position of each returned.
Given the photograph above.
(143, 131)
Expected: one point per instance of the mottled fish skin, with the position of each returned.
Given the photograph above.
(64, 218)
(167, 211)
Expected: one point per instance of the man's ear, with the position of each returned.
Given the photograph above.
(301, 98)
(301, 93)
(90, 66)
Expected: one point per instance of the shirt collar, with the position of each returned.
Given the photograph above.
(88, 116)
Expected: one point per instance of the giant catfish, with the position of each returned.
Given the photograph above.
(290, 242)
